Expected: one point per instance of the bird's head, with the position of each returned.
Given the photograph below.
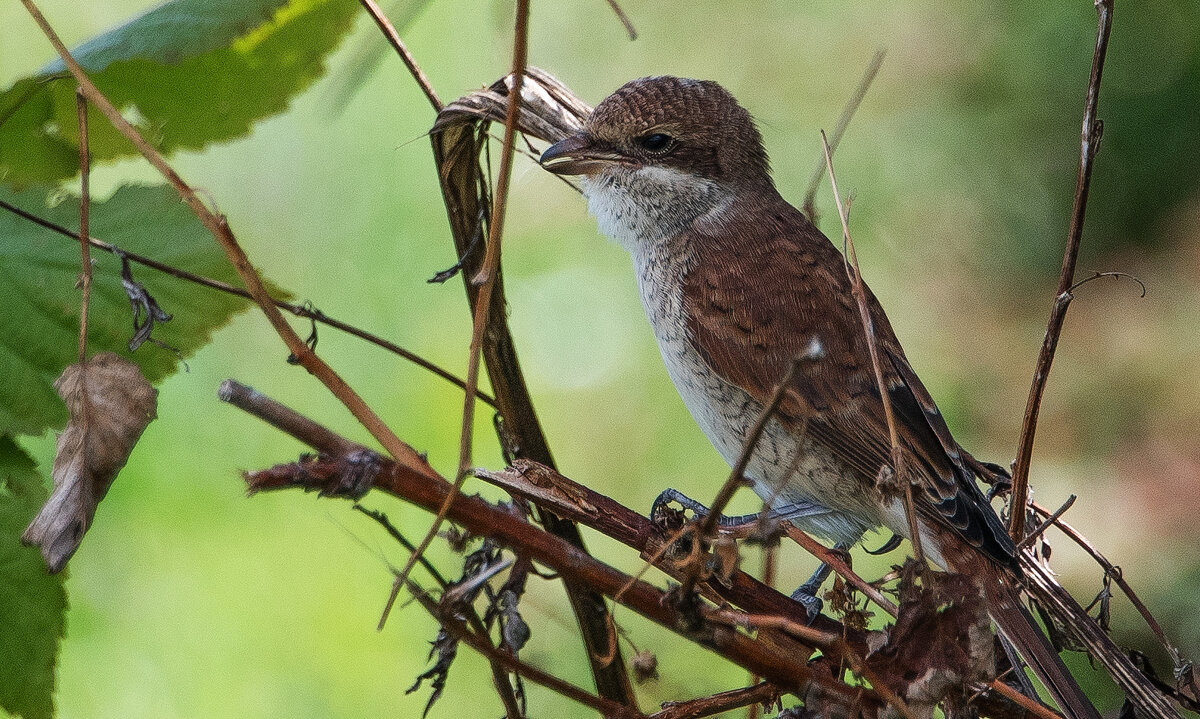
(660, 152)
(669, 123)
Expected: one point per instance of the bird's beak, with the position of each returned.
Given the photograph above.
(578, 154)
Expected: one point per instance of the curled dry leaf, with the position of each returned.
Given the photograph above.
(110, 404)
(941, 642)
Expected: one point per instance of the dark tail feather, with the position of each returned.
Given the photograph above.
(1019, 628)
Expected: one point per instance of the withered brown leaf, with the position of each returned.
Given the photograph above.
(941, 643)
(110, 403)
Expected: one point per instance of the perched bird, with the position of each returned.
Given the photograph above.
(737, 284)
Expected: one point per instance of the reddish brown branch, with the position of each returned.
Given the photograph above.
(1089, 145)
(338, 476)
(762, 693)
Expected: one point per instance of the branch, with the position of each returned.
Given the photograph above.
(777, 660)
(715, 704)
(481, 644)
(1089, 145)
(549, 111)
(393, 37)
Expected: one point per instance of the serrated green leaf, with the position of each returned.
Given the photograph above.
(32, 601)
(39, 318)
(187, 73)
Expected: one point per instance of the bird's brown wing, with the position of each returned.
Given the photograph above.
(756, 301)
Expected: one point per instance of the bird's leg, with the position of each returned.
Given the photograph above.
(806, 593)
(797, 511)
(788, 513)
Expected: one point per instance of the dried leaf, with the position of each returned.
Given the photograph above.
(725, 559)
(645, 666)
(941, 642)
(445, 647)
(110, 404)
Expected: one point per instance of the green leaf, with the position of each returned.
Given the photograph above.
(187, 73)
(39, 318)
(32, 601)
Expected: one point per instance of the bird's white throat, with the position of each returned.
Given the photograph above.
(636, 206)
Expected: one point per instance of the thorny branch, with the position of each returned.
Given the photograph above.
(1089, 145)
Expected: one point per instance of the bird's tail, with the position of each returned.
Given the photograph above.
(1020, 629)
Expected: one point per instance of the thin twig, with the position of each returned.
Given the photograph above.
(304, 310)
(393, 37)
(835, 562)
(736, 478)
(809, 206)
(85, 201)
(629, 28)
(860, 295)
(1029, 705)
(751, 696)
(250, 278)
(486, 279)
(1116, 573)
(1089, 145)
(383, 521)
(1041, 528)
(814, 637)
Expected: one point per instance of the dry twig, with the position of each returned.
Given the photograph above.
(860, 295)
(1089, 145)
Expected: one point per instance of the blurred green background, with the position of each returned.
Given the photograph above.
(189, 600)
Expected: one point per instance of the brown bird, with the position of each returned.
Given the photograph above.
(736, 284)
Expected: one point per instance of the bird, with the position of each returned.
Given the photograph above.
(738, 285)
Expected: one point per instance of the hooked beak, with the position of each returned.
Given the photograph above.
(578, 154)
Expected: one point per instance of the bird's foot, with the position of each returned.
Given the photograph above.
(808, 593)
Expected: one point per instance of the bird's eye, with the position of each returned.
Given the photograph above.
(657, 142)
